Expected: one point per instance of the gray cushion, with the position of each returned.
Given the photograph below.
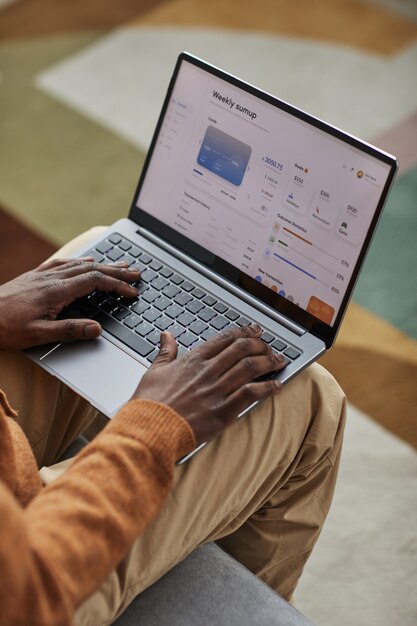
(209, 588)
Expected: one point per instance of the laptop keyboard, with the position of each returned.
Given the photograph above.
(167, 300)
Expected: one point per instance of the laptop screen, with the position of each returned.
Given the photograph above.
(275, 194)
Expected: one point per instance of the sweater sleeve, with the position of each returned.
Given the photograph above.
(58, 550)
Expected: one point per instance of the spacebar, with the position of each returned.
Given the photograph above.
(119, 331)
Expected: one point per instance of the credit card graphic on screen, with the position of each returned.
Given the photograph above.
(224, 155)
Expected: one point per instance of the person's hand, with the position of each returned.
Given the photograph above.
(30, 304)
(212, 384)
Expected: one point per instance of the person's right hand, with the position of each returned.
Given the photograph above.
(212, 384)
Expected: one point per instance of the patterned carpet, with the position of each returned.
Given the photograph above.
(81, 85)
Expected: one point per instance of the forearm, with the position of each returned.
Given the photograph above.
(77, 529)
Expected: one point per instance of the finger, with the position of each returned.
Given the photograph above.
(83, 284)
(77, 267)
(167, 351)
(251, 393)
(51, 264)
(241, 347)
(61, 263)
(216, 345)
(250, 368)
(66, 330)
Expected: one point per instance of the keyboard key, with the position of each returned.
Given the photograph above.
(292, 353)
(120, 313)
(142, 287)
(127, 301)
(198, 327)
(163, 322)
(125, 245)
(131, 321)
(170, 290)
(144, 328)
(138, 344)
(154, 337)
(176, 330)
(174, 310)
(185, 318)
(206, 314)
(279, 345)
(243, 321)
(182, 298)
(145, 258)
(159, 283)
(126, 259)
(150, 295)
(220, 307)
(232, 315)
(109, 305)
(166, 272)
(151, 315)
(137, 265)
(98, 297)
(198, 293)
(152, 356)
(104, 247)
(187, 286)
(115, 254)
(135, 252)
(219, 322)
(187, 339)
(162, 303)
(194, 306)
(140, 307)
(156, 265)
(181, 350)
(177, 279)
(267, 337)
(148, 275)
(115, 238)
(209, 334)
(98, 258)
(209, 300)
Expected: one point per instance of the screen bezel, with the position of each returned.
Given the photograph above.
(224, 269)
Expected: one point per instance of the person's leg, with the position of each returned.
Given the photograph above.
(262, 490)
(50, 414)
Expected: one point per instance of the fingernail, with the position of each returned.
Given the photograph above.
(91, 331)
(120, 264)
(280, 358)
(133, 289)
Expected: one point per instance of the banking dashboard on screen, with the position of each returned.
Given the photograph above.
(281, 200)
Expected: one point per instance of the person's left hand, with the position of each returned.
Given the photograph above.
(30, 304)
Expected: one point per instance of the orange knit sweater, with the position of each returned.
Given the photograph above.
(57, 544)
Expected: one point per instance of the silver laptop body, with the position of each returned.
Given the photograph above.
(266, 211)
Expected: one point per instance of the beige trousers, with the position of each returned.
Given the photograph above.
(262, 490)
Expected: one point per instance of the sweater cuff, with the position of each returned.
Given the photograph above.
(157, 425)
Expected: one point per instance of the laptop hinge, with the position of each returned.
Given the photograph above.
(222, 282)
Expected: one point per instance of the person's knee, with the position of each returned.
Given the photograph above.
(328, 408)
(314, 404)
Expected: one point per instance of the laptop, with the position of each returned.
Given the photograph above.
(248, 210)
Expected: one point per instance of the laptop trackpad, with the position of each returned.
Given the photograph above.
(98, 370)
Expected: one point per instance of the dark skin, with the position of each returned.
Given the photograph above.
(208, 387)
